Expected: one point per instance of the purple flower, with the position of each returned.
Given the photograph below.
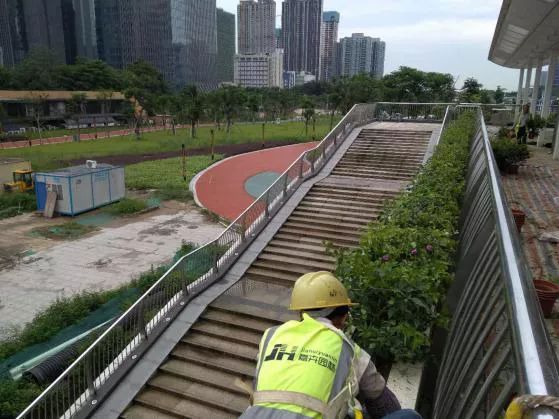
(385, 258)
(413, 252)
(429, 248)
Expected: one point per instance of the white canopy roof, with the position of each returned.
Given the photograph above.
(527, 30)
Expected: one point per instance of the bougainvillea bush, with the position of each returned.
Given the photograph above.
(401, 271)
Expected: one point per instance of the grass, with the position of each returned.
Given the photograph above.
(66, 231)
(127, 206)
(48, 157)
(166, 175)
(15, 203)
(102, 131)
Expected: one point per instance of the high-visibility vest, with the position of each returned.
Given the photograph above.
(305, 370)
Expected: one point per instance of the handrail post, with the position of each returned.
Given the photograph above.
(286, 181)
(89, 376)
(267, 203)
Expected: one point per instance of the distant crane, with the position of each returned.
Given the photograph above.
(456, 81)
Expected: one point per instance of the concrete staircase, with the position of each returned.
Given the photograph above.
(205, 374)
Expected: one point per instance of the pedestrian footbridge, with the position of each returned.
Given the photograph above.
(188, 347)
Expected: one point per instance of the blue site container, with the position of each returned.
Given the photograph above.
(81, 188)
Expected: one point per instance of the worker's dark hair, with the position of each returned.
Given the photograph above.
(338, 312)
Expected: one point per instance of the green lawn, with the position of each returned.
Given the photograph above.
(166, 175)
(49, 157)
(102, 131)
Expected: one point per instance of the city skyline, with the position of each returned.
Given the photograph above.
(447, 36)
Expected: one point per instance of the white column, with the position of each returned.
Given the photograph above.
(526, 94)
(549, 85)
(536, 90)
(519, 94)
(556, 140)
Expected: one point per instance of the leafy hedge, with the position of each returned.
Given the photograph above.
(401, 271)
(15, 203)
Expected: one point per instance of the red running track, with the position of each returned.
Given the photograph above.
(221, 188)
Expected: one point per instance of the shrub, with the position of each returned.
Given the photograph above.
(127, 206)
(508, 152)
(402, 268)
(20, 201)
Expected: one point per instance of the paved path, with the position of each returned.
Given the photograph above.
(104, 260)
(221, 188)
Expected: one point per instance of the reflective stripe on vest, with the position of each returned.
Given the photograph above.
(304, 368)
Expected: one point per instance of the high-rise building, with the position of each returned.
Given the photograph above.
(225, 45)
(13, 40)
(259, 70)
(256, 26)
(85, 28)
(279, 38)
(329, 38)
(361, 54)
(44, 26)
(301, 23)
(178, 37)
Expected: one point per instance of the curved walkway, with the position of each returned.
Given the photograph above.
(230, 186)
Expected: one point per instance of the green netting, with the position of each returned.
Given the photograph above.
(106, 312)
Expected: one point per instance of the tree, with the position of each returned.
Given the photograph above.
(88, 75)
(77, 106)
(471, 91)
(214, 107)
(144, 83)
(253, 104)
(499, 95)
(233, 99)
(485, 96)
(38, 71)
(105, 98)
(309, 111)
(192, 106)
(6, 78)
(38, 103)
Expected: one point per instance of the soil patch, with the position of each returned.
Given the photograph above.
(227, 150)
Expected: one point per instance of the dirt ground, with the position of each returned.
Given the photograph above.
(227, 150)
(18, 241)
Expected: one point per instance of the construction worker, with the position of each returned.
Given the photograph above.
(311, 369)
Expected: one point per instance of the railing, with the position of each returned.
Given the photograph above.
(97, 370)
(498, 345)
(411, 112)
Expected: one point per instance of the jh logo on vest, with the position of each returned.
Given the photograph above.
(280, 352)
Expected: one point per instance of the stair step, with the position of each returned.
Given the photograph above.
(298, 253)
(309, 264)
(366, 170)
(339, 212)
(247, 322)
(201, 393)
(288, 236)
(214, 360)
(195, 372)
(255, 309)
(138, 411)
(290, 269)
(308, 227)
(233, 333)
(266, 275)
(292, 245)
(310, 216)
(346, 206)
(335, 238)
(234, 349)
(313, 220)
(173, 405)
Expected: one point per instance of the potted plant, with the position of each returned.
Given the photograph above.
(547, 295)
(534, 125)
(508, 154)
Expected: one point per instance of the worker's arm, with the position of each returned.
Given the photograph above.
(374, 395)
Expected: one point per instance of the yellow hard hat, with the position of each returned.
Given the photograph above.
(317, 290)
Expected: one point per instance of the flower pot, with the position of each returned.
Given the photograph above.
(548, 292)
(519, 218)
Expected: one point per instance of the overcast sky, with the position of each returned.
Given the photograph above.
(449, 36)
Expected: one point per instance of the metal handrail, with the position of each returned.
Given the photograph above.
(99, 368)
(498, 346)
